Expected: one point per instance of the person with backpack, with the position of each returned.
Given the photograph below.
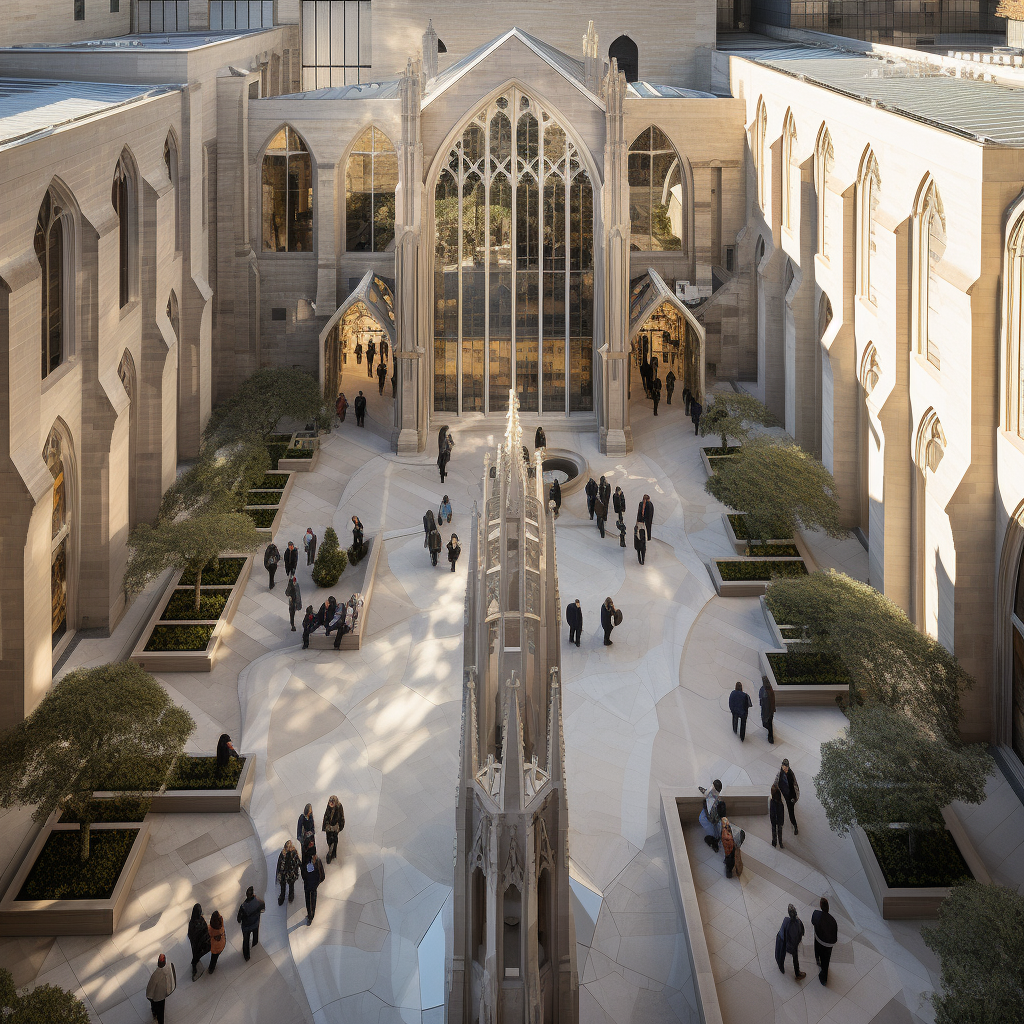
(162, 982)
(218, 938)
(574, 616)
(270, 559)
(788, 942)
(444, 511)
(619, 503)
(434, 545)
(248, 917)
(199, 940)
(710, 814)
(609, 613)
(826, 935)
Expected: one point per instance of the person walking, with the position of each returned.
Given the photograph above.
(604, 492)
(312, 876)
(670, 386)
(294, 595)
(309, 543)
(454, 550)
(199, 940)
(608, 620)
(434, 546)
(826, 935)
(305, 828)
(359, 352)
(442, 461)
(341, 406)
(695, 410)
(645, 514)
(225, 751)
(776, 814)
(444, 511)
(428, 525)
(218, 938)
(360, 404)
(639, 542)
(619, 503)
(248, 917)
(788, 941)
(162, 982)
(601, 511)
(357, 532)
(710, 817)
(540, 439)
(656, 393)
(739, 704)
(291, 558)
(686, 400)
(574, 616)
(333, 824)
(309, 624)
(371, 354)
(766, 698)
(383, 348)
(270, 559)
(382, 376)
(288, 871)
(731, 843)
(591, 491)
(790, 791)
(555, 495)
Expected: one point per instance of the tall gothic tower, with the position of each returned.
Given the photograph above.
(515, 940)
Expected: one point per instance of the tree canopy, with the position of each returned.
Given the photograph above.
(888, 660)
(217, 481)
(95, 723)
(187, 544)
(731, 414)
(887, 768)
(779, 487)
(979, 941)
(252, 413)
(45, 1004)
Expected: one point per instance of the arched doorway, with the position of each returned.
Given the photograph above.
(625, 52)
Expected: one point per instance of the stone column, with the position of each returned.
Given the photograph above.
(326, 235)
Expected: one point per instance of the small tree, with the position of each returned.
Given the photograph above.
(252, 413)
(890, 768)
(888, 660)
(94, 724)
(731, 414)
(330, 560)
(779, 487)
(42, 1005)
(979, 941)
(187, 544)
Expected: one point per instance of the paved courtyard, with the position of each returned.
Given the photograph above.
(380, 729)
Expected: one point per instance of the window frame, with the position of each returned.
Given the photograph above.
(373, 154)
(288, 154)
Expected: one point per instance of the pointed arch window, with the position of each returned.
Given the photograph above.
(371, 177)
(788, 147)
(868, 188)
(55, 456)
(931, 247)
(657, 194)
(122, 198)
(760, 132)
(287, 194)
(1014, 318)
(627, 55)
(53, 251)
(824, 159)
(171, 163)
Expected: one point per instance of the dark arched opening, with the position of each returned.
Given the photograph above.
(625, 51)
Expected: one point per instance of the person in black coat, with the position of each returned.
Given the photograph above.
(639, 542)
(199, 940)
(371, 354)
(225, 750)
(434, 545)
(294, 595)
(670, 386)
(591, 492)
(686, 400)
(454, 550)
(788, 941)
(360, 406)
(656, 393)
(826, 935)
(555, 495)
(428, 524)
(382, 376)
(604, 492)
(540, 439)
(442, 462)
(607, 620)
(695, 410)
(790, 791)
(357, 532)
(645, 514)
(309, 623)
(739, 704)
(619, 503)
(310, 541)
(359, 352)
(305, 829)
(330, 610)
(270, 559)
(574, 616)
(776, 815)
(601, 511)
(333, 824)
(312, 875)
(766, 698)
(248, 917)
(291, 558)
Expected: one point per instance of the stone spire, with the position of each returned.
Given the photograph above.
(592, 63)
(510, 796)
(429, 53)
(513, 430)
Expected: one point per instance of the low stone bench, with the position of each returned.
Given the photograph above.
(739, 801)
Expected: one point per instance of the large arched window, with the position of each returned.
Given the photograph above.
(54, 252)
(122, 198)
(869, 185)
(930, 239)
(513, 265)
(1014, 319)
(657, 194)
(287, 194)
(171, 163)
(824, 158)
(56, 457)
(371, 177)
(625, 52)
(759, 132)
(788, 147)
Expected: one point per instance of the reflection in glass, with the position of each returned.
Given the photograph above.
(287, 195)
(371, 177)
(49, 246)
(657, 201)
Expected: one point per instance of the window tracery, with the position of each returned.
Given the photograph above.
(371, 177)
(657, 194)
(287, 194)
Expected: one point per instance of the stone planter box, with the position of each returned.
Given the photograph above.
(744, 588)
(776, 629)
(190, 661)
(354, 641)
(738, 544)
(800, 695)
(304, 439)
(907, 904)
(70, 917)
(706, 462)
(202, 801)
(278, 508)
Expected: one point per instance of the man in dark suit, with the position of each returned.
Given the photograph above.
(574, 616)
(591, 492)
(645, 514)
(360, 404)
(291, 558)
(604, 491)
(826, 935)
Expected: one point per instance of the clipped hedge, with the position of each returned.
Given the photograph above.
(808, 668)
(263, 518)
(116, 809)
(271, 481)
(718, 452)
(279, 439)
(180, 638)
(203, 773)
(330, 560)
(773, 551)
(262, 498)
(59, 874)
(937, 859)
(738, 521)
(757, 570)
(182, 604)
(223, 572)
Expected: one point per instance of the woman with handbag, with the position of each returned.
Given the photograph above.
(334, 822)
(454, 550)
(199, 940)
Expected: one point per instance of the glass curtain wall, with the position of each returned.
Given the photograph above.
(241, 14)
(335, 43)
(513, 266)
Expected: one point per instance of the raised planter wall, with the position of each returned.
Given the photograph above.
(823, 695)
(278, 509)
(908, 904)
(706, 462)
(745, 588)
(740, 545)
(70, 917)
(354, 641)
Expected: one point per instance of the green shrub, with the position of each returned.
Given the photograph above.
(808, 668)
(330, 560)
(936, 860)
(262, 498)
(59, 874)
(279, 439)
(182, 604)
(754, 570)
(300, 453)
(356, 555)
(263, 518)
(792, 632)
(115, 810)
(773, 551)
(180, 638)
(722, 453)
(218, 572)
(203, 773)
(738, 521)
(272, 481)
(276, 450)
(43, 1005)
